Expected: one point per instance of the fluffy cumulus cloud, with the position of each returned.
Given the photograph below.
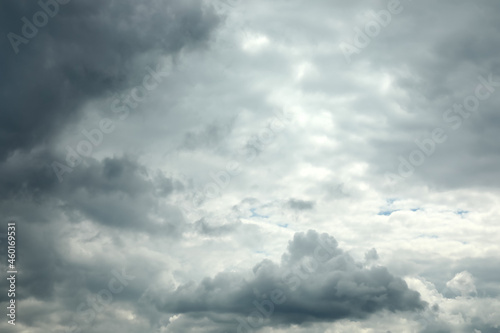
(315, 281)
(184, 166)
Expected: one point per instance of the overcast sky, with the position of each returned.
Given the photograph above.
(251, 166)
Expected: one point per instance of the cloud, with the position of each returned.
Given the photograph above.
(371, 255)
(300, 204)
(203, 265)
(315, 281)
(463, 284)
(203, 227)
(207, 137)
(60, 69)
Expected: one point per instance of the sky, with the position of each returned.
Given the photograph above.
(251, 166)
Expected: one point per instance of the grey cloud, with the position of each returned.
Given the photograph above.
(168, 185)
(441, 270)
(117, 192)
(337, 288)
(300, 204)
(474, 324)
(434, 83)
(55, 281)
(88, 50)
(484, 271)
(205, 228)
(207, 137)
(371, 255)
(127, 205)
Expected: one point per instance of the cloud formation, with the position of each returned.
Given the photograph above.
(266, 85)
(315, 281)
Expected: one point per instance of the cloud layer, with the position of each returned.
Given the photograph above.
(158, 157)
(315, 281)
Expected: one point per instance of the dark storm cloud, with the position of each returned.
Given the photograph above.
(315, 281)
(119, 193)
(116, 192)
(88, 50)
(26, 176)
(58, 281)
